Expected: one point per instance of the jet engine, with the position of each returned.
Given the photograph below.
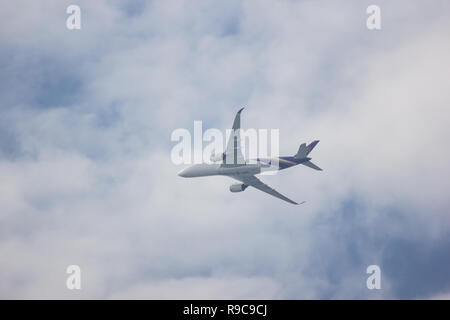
(238, 187)
(216, 157)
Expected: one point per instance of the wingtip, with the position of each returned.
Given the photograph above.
(241, 109)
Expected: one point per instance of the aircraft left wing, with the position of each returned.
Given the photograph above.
(258, 184)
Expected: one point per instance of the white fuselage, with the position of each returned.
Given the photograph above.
(203, 170)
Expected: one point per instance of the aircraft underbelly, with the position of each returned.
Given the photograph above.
(240, 170)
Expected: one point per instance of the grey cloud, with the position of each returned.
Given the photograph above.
(86, 116)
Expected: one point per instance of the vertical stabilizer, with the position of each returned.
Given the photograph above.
(304, 149)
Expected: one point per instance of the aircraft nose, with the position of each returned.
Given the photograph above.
(183, 173)
(189, 172)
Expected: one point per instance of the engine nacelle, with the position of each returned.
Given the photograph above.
(216, 157)
(238, 187)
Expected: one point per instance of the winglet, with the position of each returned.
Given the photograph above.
(237, 120)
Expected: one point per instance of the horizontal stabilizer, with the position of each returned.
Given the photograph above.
(311, 165)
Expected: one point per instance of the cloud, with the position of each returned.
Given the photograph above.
(85, 168)
(204, 288)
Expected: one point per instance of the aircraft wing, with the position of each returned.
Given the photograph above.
(233, 153)
(258, 184)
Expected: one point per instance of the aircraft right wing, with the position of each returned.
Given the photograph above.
(258, 184)
(233, 154)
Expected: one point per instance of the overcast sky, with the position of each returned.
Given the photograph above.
(86, 176)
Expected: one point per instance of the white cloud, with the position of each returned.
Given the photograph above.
(91, 183)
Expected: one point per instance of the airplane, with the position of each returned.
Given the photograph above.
(234, 165)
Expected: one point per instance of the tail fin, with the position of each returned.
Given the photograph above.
(304, 149)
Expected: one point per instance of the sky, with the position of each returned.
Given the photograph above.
(86, 176)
